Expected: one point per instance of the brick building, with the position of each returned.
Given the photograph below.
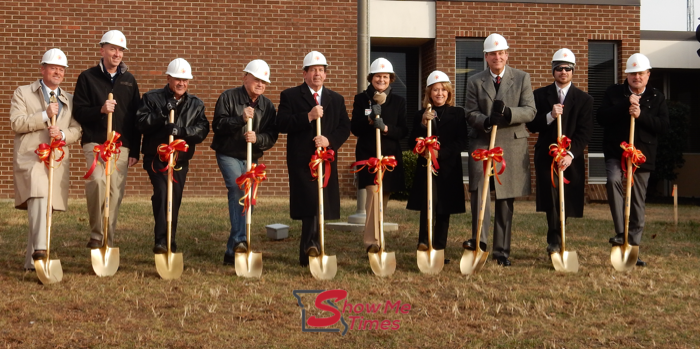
(218, 38)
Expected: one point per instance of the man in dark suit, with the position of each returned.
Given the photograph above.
(499, 96)
(648, 107)
(575, 107)
(299, 108)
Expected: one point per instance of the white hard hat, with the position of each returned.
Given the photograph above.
(259, 69)
(179, 69)
(637, 62)
(114, 37)
(381, 65)
(314, 58)
(437, 76)
(564, 55)
(495, 42)
(55, 56)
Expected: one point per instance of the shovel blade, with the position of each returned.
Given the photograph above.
(472, 261)
(48, 271)
(323, 267)
(105, 260)
(566, 262)
(383, 263)
(169, 265)
(431, 261)
(249, 265)
(624, 257)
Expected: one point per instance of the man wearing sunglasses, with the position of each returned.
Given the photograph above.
(575, 108)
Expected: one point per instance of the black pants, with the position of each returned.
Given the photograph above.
(441, 223)
(159, 200)
(309, 237)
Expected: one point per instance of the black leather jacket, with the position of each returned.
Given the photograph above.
(229, 126)
(152, 116)
(614, 116)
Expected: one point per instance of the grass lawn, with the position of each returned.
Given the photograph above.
(528, 305)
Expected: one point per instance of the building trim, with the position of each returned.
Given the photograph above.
(666, 35)
(567, 2)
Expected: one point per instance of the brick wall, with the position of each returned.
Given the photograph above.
(218, 38)
(534, 32)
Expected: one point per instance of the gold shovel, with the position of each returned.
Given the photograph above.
(49, 271)
(563, 260)
(249, 264)
(383, 263)
(322, 267)
(430, 261)
(624, 257)
(105, 259)
(473, 261)
(170, 264)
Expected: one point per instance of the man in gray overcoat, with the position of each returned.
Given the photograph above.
(499, 96)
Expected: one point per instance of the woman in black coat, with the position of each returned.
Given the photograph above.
(449, 124)
(392, 124)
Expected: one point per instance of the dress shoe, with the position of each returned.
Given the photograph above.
(471, 245)
(617, 240)
(641, 263)
(160, 249)
(447, 261)
(312, 251)
(229, 259)
(553, 248)
(503, 261)
(39, 254)
(422, 246)
(241, 247)
(373, 248)
(94, 243)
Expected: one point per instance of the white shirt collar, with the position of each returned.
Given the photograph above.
(645, 89)
(493, 76)
(565, 89)
(48, 91)
(320, 92)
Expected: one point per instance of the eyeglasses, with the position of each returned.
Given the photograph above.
(563, 68)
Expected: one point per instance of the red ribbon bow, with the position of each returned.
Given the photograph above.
(44, 151)
(251, 181)
(105, 151)
(385, 163)
(634, 155)
(496, 154)
(165, 150)
(428, 147)
(325, 156)
(558, 150)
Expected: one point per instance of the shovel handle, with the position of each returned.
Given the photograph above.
(105, 224)
(320, 194)
(49, 199)
(171, 138)
(628, 185)
(562, 209)
(430, 185)
(485, 188)
(380, 200)
(248, 165)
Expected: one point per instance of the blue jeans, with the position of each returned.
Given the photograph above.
(231, 168)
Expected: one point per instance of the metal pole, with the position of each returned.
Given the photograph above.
(363, 48)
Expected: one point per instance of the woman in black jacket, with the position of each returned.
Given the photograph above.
(392, 125)
(449, 124)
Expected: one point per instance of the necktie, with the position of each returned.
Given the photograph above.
(498, 80)
(562, 96)
(316, 98)
(52, 97)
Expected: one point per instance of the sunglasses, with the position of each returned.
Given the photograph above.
(563, 68)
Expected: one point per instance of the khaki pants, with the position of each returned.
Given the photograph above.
(36, 210)
(95, 192)
(371, 235)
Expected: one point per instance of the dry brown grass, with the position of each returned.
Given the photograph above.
(528, 305)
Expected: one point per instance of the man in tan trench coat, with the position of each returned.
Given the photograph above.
(30, 117)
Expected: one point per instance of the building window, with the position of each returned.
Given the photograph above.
(469, 61)
(602, 72)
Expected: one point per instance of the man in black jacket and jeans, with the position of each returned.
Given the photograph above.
(647, 105)
(233, 110)
(90, 109)
(190, 125)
